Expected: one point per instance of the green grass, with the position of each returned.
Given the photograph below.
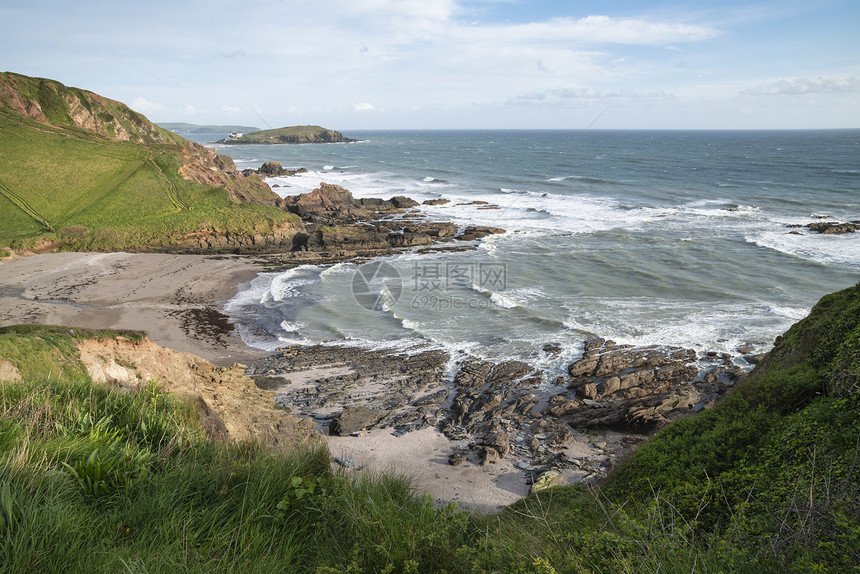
(94, 479)
(290, 134)
(113, 185)
(114, 195)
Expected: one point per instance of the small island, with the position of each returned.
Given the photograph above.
(289, 135)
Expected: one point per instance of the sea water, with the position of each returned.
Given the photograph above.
(643, 237)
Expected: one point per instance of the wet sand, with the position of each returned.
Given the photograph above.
(177, 299)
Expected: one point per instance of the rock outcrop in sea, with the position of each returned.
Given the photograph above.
(289, 135)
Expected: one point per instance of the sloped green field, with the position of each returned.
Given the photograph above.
(54, 182)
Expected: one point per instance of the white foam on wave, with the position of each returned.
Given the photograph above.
(697, 325)
(833, 249)
(501, 301)
(241, 309)
(361, 184)
(793, 313)
(341, 268)
(528, 211)
(522, 209)
(251, 293)
(510, 298)
(292, 327)
(497, 299)
(583, 178)
(289, 284)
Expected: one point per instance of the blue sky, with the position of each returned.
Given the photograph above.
(414, 64)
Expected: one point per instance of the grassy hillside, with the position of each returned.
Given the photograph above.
(765, 481)
(94, 479)
(291, 135)
(88, 173)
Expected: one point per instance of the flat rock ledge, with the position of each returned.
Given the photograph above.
(609, 402)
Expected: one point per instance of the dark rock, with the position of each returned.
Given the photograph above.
(637, 389)
(408, 239)
(489, 455)
(588, 391)
(327, 203)
(436, 201)
(500, 441)
(354, 419)
(832, 227)
(273, 169)
(559, 406)
(432, 399)
(473, 374)
(474, 232)
(553, 349)
(508, 372)
(401, 202)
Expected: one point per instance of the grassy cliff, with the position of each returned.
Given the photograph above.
(94, 478)
(765, 481)
(84, 172)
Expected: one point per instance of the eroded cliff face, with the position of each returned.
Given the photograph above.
(231, 405)
(206, 166)
(281, 238)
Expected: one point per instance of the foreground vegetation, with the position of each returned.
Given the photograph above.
(87, 173)
(97, 479)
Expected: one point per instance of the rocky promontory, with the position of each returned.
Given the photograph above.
(329, 224)
(289, 135)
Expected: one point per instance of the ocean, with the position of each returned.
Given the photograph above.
(643, 237)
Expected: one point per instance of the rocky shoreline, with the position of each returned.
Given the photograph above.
(332, 225)
(613, 398)
(571, 428)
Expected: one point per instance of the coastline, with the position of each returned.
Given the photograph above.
(170, 297)
(176, 299)
(479, 440)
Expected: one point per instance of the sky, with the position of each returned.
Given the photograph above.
(453, 64)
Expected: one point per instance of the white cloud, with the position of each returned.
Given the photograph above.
(602, 30)
(444, 63)
(143, 105)
(589, 95)
(426, 10)
(800, 86)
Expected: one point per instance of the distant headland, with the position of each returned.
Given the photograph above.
(183, 128)
(288, 135)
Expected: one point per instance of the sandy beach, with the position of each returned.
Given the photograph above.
(177, 300)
